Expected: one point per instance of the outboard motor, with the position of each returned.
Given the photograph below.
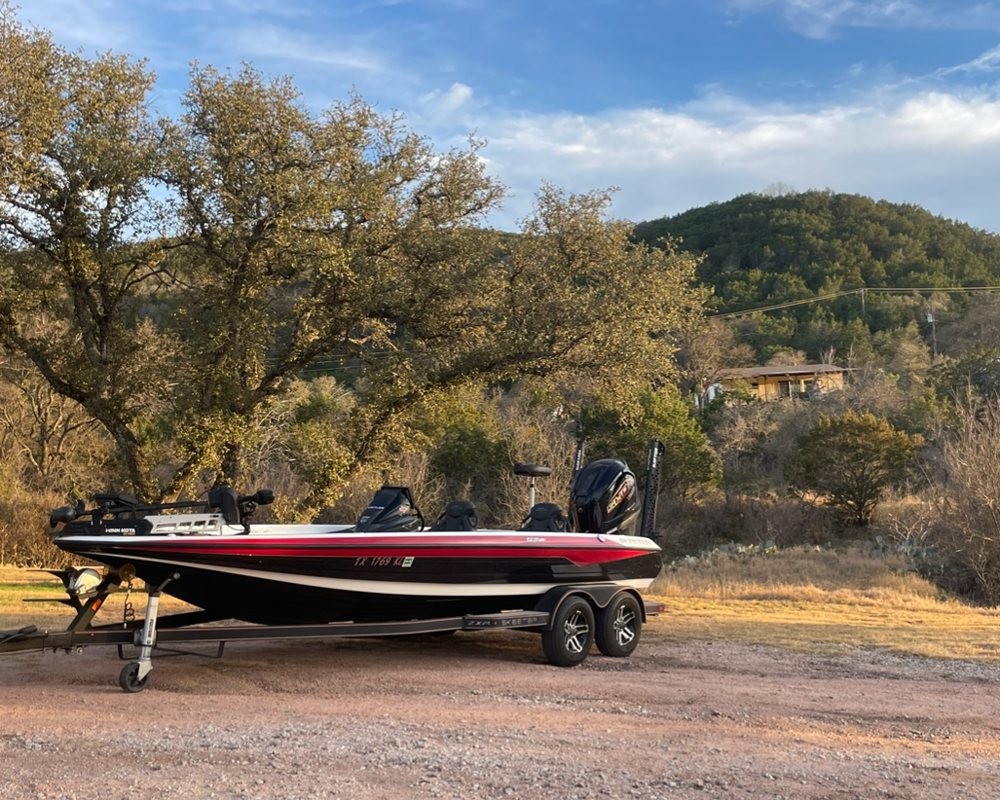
(605, 498)
(391, 509)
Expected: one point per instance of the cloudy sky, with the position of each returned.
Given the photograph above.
(676, 102)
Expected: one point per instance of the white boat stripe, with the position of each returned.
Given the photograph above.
(410, 589)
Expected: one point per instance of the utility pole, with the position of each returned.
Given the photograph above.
(930, 319)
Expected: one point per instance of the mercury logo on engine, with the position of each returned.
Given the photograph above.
(619, 496)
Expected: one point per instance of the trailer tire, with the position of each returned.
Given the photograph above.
(619, 624)
(572, 634)
(128, 678)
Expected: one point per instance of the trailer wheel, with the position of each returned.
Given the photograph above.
(128, 678)
(572, 634)
(618, 626)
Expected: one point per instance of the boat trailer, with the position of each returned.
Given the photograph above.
(569, 618)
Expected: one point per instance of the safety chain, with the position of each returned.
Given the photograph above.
(128, 614)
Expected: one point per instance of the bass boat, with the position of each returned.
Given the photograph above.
(574, 580)
(390, 565)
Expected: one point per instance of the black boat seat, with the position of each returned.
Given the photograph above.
(545, 517)
(458, 515)
(534, 470)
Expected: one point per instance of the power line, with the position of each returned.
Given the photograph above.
(862, 291)
(778, 306)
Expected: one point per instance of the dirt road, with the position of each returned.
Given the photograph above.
(483, 716)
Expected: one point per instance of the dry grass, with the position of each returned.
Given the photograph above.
(823, 602)
(805, 575)
(16, 584)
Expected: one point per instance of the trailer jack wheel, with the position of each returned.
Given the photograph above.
(129, 678)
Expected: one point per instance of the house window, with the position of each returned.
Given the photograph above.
(784, 388)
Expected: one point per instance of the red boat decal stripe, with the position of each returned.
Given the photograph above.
(520, 539)
(582, 556)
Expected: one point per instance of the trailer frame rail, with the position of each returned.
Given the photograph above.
(151, 634)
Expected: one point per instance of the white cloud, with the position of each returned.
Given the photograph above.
(91, 24)
(987, 62)
(934, 149)
(819, 19)
(458, 96)
(272, 41)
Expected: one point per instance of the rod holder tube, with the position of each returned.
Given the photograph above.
(654, 467)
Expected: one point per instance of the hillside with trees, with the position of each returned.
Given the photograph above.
(769, 250)
(902, 450)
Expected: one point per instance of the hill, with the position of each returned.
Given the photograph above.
(767, 250)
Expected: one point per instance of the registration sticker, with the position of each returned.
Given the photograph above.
(408, 561)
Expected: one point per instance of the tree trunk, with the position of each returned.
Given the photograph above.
(231, 469)
(141, 477)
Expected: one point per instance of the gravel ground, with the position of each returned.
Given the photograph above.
(482, 715)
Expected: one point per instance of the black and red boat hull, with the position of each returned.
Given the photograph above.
(336, 576)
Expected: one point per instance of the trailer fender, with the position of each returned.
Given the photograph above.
(598, 596)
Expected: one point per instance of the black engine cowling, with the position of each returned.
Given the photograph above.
(391, 509)
(605, 498)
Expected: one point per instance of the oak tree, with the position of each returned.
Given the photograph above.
(851, 460)
(80, 223)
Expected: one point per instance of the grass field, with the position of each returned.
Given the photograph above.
(823, 602)
(17, 584)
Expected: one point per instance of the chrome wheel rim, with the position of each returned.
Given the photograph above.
(576, 631)
(624, 625)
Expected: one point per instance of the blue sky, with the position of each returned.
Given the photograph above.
(677, 102)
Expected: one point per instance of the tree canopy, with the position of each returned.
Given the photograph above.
(851, 460)
(688, 462)
(174, 276)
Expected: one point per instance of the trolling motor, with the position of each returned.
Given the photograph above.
(123, 514)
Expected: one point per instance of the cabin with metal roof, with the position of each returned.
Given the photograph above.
(802, 381)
